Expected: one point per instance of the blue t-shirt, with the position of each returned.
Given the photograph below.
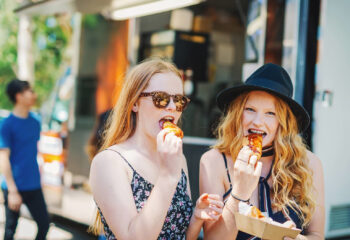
(21, 136)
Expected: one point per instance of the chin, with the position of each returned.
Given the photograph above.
(269, 143)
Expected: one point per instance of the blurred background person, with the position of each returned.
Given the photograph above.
(95, 140)
(20, 133)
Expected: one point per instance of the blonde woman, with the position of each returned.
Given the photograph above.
(140, 180)
(287, 182)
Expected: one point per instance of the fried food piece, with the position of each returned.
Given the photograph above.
(254, 142)
(251, 211)
(255, 213)
(171, 127)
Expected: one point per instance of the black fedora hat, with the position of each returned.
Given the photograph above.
(272, 79)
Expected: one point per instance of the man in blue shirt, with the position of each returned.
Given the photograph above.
(20, 133)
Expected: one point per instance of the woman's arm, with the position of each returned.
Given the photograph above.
(244, 182)
(208, 208)
(211, 180)
(112, 192)
(113, 195)
(195, 226)
(315, 230)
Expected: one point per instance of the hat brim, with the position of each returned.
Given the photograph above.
(226, 96)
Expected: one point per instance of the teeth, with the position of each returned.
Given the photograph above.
(257, 132)
(168, 118)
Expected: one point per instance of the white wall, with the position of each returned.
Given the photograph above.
(332, 123)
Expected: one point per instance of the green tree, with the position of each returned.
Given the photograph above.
(51, 37)
(8, 48)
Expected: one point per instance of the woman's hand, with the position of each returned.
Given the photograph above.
(169, 148)
(246, 174)
(208, 207)
(299, 237)
(291, 224)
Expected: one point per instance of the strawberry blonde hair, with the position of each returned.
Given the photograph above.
(292, 178)
(121, 123)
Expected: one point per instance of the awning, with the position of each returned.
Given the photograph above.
(50, 7)
(115, 9)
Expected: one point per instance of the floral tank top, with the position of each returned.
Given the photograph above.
(179, 212)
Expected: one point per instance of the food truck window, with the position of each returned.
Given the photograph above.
(226, 36)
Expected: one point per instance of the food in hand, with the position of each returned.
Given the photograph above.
(286, 224)
(251, 211)
(171, 127)
(205, 197)
(254, 142)
(254, 212)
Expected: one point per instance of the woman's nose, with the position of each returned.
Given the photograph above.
(258, 120)
(171, 106)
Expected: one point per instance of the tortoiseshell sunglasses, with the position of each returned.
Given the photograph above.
(162, 99)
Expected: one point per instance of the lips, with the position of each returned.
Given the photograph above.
(165, 119)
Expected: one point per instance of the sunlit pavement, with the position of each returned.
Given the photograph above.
(59, 229)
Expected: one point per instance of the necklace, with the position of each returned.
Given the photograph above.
(268, 151)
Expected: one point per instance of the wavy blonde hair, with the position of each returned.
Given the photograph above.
(292, 178)
(121, 123)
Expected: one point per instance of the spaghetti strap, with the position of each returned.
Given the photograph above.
(227, 172)
(121, 157)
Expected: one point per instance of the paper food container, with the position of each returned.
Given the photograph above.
(262, 229)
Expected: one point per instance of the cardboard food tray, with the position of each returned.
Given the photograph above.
(263, 229)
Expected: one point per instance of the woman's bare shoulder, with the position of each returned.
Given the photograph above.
(109, 158)
(211, 157)
(106, 167)
(212, 153)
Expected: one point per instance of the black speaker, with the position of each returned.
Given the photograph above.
(188, 50)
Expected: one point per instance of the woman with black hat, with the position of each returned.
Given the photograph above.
(287, 182)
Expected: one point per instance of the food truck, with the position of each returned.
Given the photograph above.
(216, 43)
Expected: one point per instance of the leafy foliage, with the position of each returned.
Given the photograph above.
(51, 35)
(8, 48)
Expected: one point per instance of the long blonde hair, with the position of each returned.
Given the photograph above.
(292, 178)
(121, 123)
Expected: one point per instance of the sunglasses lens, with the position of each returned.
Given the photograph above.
(161, 99)
(180, 102)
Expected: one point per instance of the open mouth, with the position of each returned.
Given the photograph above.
(165, 119)
(250, 131)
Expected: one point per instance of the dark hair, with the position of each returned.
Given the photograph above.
(16, 86)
